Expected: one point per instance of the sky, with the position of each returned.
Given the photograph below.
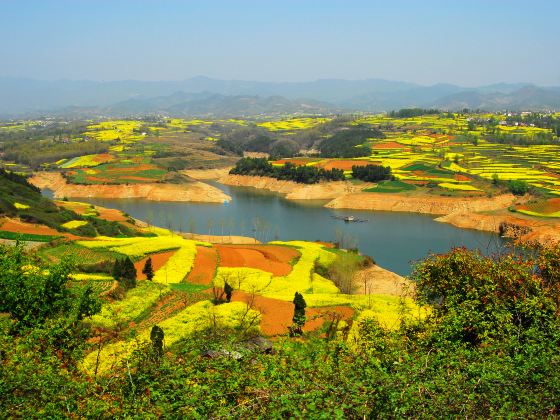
(469, 43)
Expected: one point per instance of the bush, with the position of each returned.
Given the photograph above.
(518, 187)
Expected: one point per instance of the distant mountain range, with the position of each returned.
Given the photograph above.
(200, 96)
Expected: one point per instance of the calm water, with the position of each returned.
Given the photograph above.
(394, 240)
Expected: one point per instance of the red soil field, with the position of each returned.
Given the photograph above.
(158, 261)
(271, 258)
(137, 178)
(389, 145)
(204, 266)
(297, 162)
(423, 174)
(11, 225)
(112, 215)
(345, 165)
(277, 314)
(549, 206)
(102, 158)
(141, 167)
(459, 177)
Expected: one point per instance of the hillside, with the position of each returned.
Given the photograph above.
(26, 214)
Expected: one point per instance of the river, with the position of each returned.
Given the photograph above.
(393, 240)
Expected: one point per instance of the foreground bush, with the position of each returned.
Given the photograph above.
(490, 348)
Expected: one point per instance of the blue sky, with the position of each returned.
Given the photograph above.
(463, 42)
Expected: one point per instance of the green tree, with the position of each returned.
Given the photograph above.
(148, 270)
(299, 314)
(228, 291)
(156, 337)
(518, 187)
(125, 272)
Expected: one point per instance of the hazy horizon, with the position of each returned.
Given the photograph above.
(65, 79)
(474, 44)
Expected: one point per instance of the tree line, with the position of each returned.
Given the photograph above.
(372, 173)
(288, 172)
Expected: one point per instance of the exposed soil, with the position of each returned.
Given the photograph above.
(420, 204)
(293, 190)
(551, 205)
(17, 226)
(544, 231)
(345, 165)
(206, 174)
(271, 258)
(158, 261)
(193, 191)
(378, 281)
(277, 314)
(204, 266)
(297, 162)
(215, 239)
(389, 145)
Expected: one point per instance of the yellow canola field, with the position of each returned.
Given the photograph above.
(73, 224)
(193, 319)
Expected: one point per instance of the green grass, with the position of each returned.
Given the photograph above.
(391, 187)
(78, 253)
(25, 237)
(188, 287)
(426, 168)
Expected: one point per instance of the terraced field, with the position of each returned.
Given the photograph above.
(187, 275)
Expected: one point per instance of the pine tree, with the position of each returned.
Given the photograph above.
(299, 314)
(148, 270)
(129, 273)
(125, 272)
(228, 290)
(117, 269)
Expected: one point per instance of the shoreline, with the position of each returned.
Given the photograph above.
(192, 192)
(477, 213)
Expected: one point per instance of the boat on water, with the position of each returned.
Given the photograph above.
(349, 219)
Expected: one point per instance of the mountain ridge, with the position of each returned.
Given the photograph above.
(20, 96)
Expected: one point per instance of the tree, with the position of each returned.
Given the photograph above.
(299, 314)
(343, 271)
(156, 337)
(148, 270)
(518, 187)
(125, 272)
(228, 291)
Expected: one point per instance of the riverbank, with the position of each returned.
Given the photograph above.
(511, 225)
(423, 204)
(189, 192)
(293, 190)
(479, 213)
